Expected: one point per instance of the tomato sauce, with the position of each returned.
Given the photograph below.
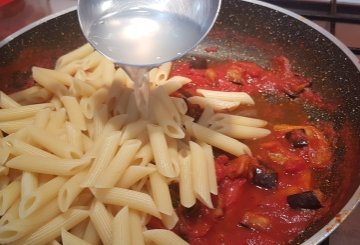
(247, 212)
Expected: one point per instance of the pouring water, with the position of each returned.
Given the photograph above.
(142, 34)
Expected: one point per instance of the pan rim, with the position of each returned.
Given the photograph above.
(355, 198)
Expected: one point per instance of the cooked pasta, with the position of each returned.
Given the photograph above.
(81, 164)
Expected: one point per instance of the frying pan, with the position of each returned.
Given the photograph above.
(247, 30)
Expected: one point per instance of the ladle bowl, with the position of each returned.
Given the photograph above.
(146, 33)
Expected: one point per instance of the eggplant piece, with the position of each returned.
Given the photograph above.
(255, 221)
(198, 62)
(266, 178)
(304, 200)
(297, 138)
(235, 76)
(194, 110)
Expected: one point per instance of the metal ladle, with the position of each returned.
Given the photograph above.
(146, 33)
(140, 34)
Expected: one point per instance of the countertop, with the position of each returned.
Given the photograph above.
(27, 11)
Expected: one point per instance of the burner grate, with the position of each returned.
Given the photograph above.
(332, 11)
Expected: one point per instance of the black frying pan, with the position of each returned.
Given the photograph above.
(246, 30)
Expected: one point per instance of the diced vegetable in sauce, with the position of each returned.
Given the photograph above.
(265, 198)
(305, 200)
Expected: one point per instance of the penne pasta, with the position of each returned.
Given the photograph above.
(22, 112)
(170, 221)
(91, 235)
(69, 239)
(102, 221)
(88, 105)
(25, 93)
(3, 172)
(40, 96)
(121, 225)
(29, 183)
(241, 97)
(163, 73)
(56, 120)
(52, 229)
(161, 193)
(45, 193)
(136, 228)
(123, 77)
(76, 54)
(99, 121)
(91, 63)
(163, 237)
(235, 119)
(108, 72)
(239, 131)
(132, 130)
(6, 102)
(107, 152)
(175, 83)
(82, 89)
(54, 242)
(164, 99)
(9, 195)
(169, 124)
(11, 214)
(14, 126)
(160, 150)
(218, 140)
(133, 174)
(74, 136)
(143, 156)
(211, 169)
(116, 168)
(206, 115)
(70, 190)
(79, 229)
(187, 195)
(174, 154)
(152, 75)
(215, 104)
(44, 165)
(200, 176)
(18, 228)
(52, 83)
(19, 147)
(73, 111)
(180, 105)
(5, 150)
(51, 142)
(42, 117)
(124, 197)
